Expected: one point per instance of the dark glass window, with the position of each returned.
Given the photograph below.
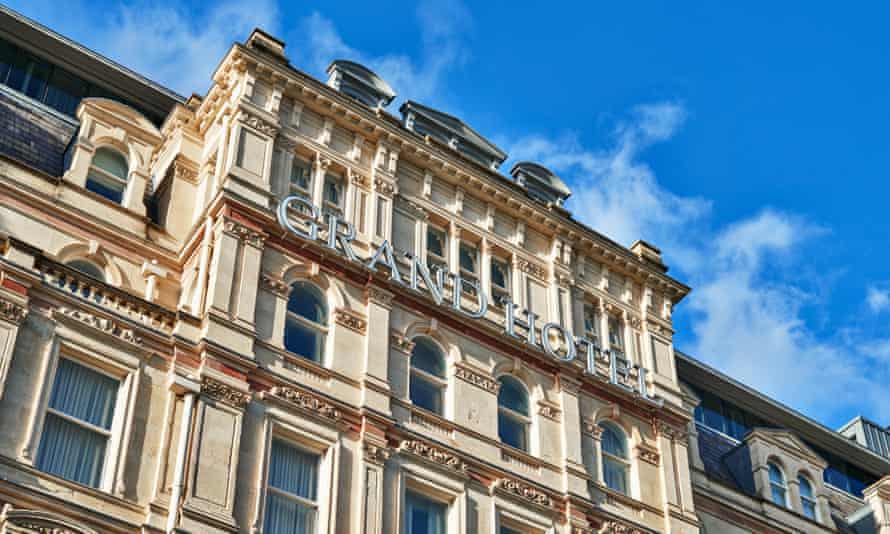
(306, 324)
(427, 381)
(513, 413)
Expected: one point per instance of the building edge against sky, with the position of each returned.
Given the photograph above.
(181, 352)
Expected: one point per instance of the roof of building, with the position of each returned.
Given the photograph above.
(361, 81)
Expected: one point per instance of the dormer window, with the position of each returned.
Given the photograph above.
(807, 501)
(108, 174)
(778, 488)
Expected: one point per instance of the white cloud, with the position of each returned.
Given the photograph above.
(443, 26)
(747, 307)
(878, 299)
(176, 47)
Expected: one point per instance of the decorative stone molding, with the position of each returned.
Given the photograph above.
(102, 324)
(433, 454)
(592, 429)
(244, 234)
(376, 454)
(636, 322)
(477, 378)
(383, 187)
(258, 124)
(351, 320)
(525, 491)
(616, 527)
(275, 284)
(359, 179)
(401, 343)
(38, 522)
(181, 171)
(531, 268)
(285, 144)
(12, 312)
(648, 455)
(670, 432)
(549, 410)
(225, 393)
(309, 402)
(380, 296)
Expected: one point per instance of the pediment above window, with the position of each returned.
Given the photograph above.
(38, 522)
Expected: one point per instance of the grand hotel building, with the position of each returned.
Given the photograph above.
(224, 313)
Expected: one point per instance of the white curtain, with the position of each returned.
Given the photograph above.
(291, 472)
(67, 449)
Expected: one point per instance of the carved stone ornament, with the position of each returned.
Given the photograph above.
(478, 379)
(648, 455)
(384, 187)
(12, 312)
(308, 402)
(224, 393)
(401, 343)
(183, 172)
(359, 179)
(102, 324)
(380, 296)
(244, 233)
(549, 411)
(669, 431)
(351, 320)
(258, 124)
(592, 429)
(38, 522)
(531, 268)
(616, 527)
(636, 322)
(525, 491)
(285, 144)
(433, 454)
(275, 284)
(376, 454)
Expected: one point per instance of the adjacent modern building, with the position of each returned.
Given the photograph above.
(280, 307)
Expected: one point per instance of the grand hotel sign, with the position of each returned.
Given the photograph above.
(554, 339)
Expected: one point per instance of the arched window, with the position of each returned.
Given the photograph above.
(615, 458)
(307, 321)
(427, 384)
(778, 489)
(513, 413)
(108, 174)
(807, 500)
(88, 268)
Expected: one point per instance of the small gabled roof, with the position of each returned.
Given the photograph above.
(455, 126)
(361, 77)
(544, 176)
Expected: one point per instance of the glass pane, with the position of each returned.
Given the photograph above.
(809, 509)
(64, 91)
(615, 475)
(499, 274)
(84, 394)
(300, 173)
(427, 357)
(426, 395)
(508, 530)
(778, 495)
(512, 395)
(806, 490)
(590, 320)
(615, 337)
(613, 441)
(302, 340)
(512, 432)
(87, 268)
(775, 475)
(293, 470)
(285, 516)
(8, 53)
(37, 79)
(468, 257)
(305, 301)
(424, 516)
(112, 162)
(19, 65)
(102, 185)
(71, 451)
(435, 241)
(333, 190)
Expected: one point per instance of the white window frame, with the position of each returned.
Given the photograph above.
(432, 257)
(441, 383)
(310, 437)
(783, 486)
(436, 487)
(122, 367)
(497, 290)
(525, 420)
(520, 519)
(105, 175)
(320, 329)
(327, 205)
(625, 462)
(294, 188)
(810, 500)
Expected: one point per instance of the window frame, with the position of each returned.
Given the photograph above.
(773, 485)
(339, 181)
(438, 382)
(621, 344)
(524, 420)
(624, 462)
(500, 293)
(805, 500)
(295, 189)
(103, 175)
(321, 331)
(301, 501)
(432, 257)
(119, 365)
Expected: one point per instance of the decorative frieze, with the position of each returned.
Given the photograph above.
(648, 455)
(223, 392)
(12, 312)
(531, 268)
(669, 431)
(244, 234)
(258, 124)
(434, 454)
(401, 343)
(617, 527)
(102, 324)
(380, 296)
(351, 320)
(275, 285)
(525, 491)
(384, 187)
(550, 411)
(309, 402)
(477, 378)
(376, 454)
(592, 429)
(181, 171)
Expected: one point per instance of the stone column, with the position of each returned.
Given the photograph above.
(375, 390)
(572, 435)
(878, 498)
(376, 453)
(318, 170)
(454, 247)
(591, 434)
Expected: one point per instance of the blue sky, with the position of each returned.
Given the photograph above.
(747, 141)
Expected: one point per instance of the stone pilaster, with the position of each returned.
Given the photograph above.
(878, 498)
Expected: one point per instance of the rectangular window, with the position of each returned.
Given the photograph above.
(616, 336)
(301, 177)
(380, 223)
(469, 258)
(424, 515)
(591, 322)
(77, 427)
(436, 246)
(292, 490)
(500, 281)
(333, 192)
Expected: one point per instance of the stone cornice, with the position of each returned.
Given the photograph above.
(526, 492)
(222, 392)
(433, 454)
(308, 402)
(479, 379)
(352, 320)
(12, 312)
(101, 324)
